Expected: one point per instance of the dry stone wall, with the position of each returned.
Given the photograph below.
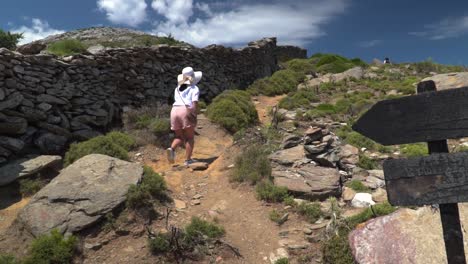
(47, 102)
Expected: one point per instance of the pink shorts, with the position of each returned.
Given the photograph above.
(181, 118)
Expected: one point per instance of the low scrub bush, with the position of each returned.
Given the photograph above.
(269, 192)
(276, 216)
(199, 227)
(29, 187)
(66, 47)
(160, 243)
(311, 211)
(160, 126)
(52, 248)
(251, 165)
(301, 98)
(8, 259)
(366, 163)
(336, 249)
(152, 187)
(233, 110)
(414, 150)
(282, 261)
(114, 144)
(358, 186)
(333, 63)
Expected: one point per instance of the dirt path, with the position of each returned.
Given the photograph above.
(264, 104)
(234, 207)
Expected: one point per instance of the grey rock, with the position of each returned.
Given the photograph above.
(80, 195)
(316, 149)
(2, 93)
(47, 98)
(85, 134)
(291, 141)
(44, 107)
(449, 80)
(32, 114)
(25, 167)
(13, 144)
(311, 181)
(12, 101)
(12, 125)
(31, 48)
(289, 156)
(49, 143)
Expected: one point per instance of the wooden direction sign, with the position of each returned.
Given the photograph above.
(440, 178)
(418, 118)
(436, 179)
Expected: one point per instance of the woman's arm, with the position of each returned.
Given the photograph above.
(194, 107)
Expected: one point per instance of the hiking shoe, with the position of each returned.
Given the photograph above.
(188, 162)
(170, 155)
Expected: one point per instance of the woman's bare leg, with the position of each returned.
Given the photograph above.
(178, 140)
(189, 134)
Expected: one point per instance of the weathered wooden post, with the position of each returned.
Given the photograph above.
(441, 178)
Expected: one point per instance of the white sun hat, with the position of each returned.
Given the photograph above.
(189, 76)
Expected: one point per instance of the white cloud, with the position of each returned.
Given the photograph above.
(38, 30)
(205, 8)
(444, 29)
(127, 12)
(175, 11)
(369, 43)
(293, 22)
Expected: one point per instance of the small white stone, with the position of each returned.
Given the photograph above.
(362, 200)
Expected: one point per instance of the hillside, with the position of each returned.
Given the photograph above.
(108, 37)
(280, 178)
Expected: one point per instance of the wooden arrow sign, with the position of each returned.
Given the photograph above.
(424, 117)
(435, 179)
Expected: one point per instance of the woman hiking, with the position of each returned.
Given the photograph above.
(184, 113)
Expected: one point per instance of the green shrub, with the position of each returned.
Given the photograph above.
(9, 40)
(414, 150)
(143, 121)
(282, 261)
(201, 227)
(151, 187)
(233, 110)
(29, 187)
(98, 145)
(126, 141)
(159, 244)
(275, 216)
(358, 186)
(52, 248)
(371, 212)
(300, 98)
(251, 165)
(300, 65)
(332, 63)
(160, 126)
(311, 211)
(290, 201)
(269, 192)
(66, 47)
(366, 163)
(8, 259)
(336, 249)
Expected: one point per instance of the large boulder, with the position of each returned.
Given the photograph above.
(310, 181)
(31, 48)
(406, 236)
(26, 167)
(80, 195)
(449, 80)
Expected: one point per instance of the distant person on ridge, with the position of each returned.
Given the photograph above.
(386, 61)
(184, 113)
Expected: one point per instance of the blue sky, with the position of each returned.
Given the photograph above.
(401, 30)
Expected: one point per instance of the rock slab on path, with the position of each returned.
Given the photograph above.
(309, 180)
(26, 167)
(80, 195)
(406, 236)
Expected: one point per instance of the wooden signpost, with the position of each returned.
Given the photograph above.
(440, 178)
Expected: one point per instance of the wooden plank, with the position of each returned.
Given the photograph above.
(435, 179)
(424, 117)
(449, 214)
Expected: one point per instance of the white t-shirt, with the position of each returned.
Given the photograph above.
(187, 96)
